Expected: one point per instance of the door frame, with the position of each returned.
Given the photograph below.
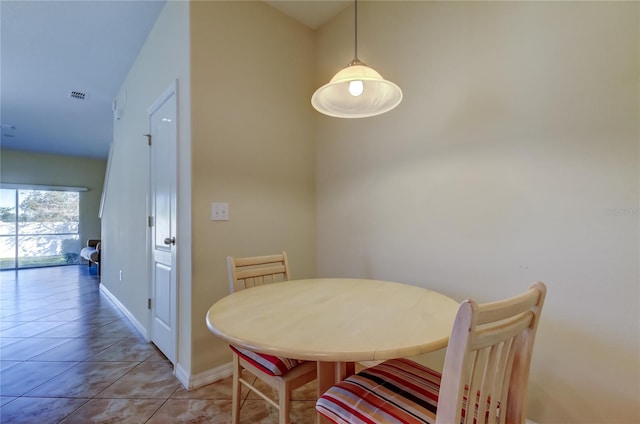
(172, 89)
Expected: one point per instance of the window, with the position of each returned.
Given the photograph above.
(39, 228)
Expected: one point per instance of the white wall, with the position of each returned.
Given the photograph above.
(512, 158)
(163, 59)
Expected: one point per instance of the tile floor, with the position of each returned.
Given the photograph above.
(68, 355)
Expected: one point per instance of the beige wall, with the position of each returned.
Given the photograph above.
(246, 71)
(512, 158)
(253, 147)
(20, 167)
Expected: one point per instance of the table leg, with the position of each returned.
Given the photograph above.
(344, 370)
(326, 379)
(330, 373)
(350, 369)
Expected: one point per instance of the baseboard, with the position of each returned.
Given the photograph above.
(191, 382)
(141, 328)
(188, 381)
(182, 375)
(530, 422)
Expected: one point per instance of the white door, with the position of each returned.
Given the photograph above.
(162, 222)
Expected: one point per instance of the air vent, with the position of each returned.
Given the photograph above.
(78, 95)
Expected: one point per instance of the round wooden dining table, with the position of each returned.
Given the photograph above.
(335, 321)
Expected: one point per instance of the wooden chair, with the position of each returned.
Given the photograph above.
(282, 374)
(487, 360)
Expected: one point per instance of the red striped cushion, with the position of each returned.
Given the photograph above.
(272, 365)
(398, 391)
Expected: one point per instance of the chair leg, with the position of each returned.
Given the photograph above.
(235, 397)
(284, 404)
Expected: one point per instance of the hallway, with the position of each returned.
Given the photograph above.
(68, 355)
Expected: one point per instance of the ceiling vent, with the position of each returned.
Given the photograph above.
(78, 95)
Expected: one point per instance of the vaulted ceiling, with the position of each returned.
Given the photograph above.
(63, 62)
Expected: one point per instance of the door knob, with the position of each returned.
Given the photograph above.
(171, 240)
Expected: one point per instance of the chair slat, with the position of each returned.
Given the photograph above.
(496, 311)
(260, 272)
(505, 329)
(474, 387)
(488, 380)
(258, 260)
(499, 380)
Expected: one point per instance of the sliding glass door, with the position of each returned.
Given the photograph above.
(38, 228)
(8, 229)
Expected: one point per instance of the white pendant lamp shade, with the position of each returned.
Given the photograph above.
(357, 91)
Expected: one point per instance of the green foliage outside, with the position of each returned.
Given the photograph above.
(7, 214)
(44, 206)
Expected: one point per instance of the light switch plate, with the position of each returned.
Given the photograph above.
(219, 211)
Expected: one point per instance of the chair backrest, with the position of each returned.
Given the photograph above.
(486, 367)
(257, 270)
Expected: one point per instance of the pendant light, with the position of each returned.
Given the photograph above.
(357, 91)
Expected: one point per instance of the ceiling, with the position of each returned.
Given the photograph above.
(63, 62)
(312, 13)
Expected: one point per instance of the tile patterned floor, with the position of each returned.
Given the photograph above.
(68, 355)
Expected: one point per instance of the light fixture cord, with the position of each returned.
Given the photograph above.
(356, 28)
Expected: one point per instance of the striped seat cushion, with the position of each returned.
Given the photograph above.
(395, 391)
(398, 391)
(272, 365)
